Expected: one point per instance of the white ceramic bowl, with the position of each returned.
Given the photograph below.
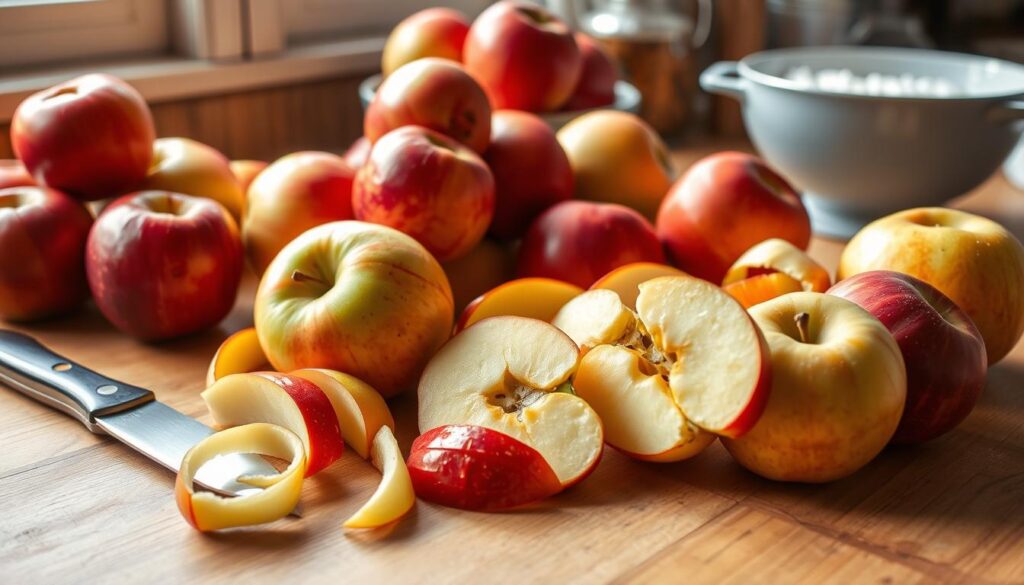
(627, 99)
(860, 157)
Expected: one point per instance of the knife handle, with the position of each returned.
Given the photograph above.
(32, 369)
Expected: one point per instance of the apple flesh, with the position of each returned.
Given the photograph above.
(477, 468)
(359, 298)
(284, 400)
(428, 186)
(579, 242)
(535, 298)
(972, 260)
(504, 373)
(596, 85)
(839, 386)
(42, 253)
(433, 32)
(721, 207)
(779, 256)
(762, 287)
(942, 349)
(433, 93)
(523, 56)
(361, 410)
(162, 265)
(394, 496)
(91, 137)
(181, 165)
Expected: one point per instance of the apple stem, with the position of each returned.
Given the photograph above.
(801, 320)
(300, 276)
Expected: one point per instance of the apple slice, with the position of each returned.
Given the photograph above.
(778, 255)
(394, 496)
(763, 287)
(626, 280)
(288, 401)
(240, 353)
(536, 298)
(477, 468)
(360, 409)
(503, 373)
(594, 318)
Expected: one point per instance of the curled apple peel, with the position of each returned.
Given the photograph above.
(394, 496)
(207, 511)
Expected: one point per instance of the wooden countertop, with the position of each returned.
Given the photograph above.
(79, 508)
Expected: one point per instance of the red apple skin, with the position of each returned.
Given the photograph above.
(433, 32)
(531, 171)
(943, 351)
(596, 86)
(433, 93)
(723, 205)
(428, 186)
(14, 174)
(580, 241)
(325, 443)
(524, 57)
(358, 153)
(162, 265)
(476, 468)
(42, 253)
(91, 137)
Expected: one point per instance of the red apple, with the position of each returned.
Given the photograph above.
(477, 468)
(14, 174)
(433, 32)
(164, 264)
(430, 187)
(531, 171)
(579, 242)
(91, 137)
(596, 86)
(523, 56)
(358, 152)
(721, 207)
(433, 93)
(943, 351)
(42, 253)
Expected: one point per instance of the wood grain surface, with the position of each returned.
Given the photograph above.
(80, 508)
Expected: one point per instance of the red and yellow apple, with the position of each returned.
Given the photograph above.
(579, 242)
(618, 158)
(245, 172)
(596, 85)
(524, 57)
(433, 93)
(531, 171)
(91, 137)
(838, 390)
(42, 253)
(506, 374)
(361, 410)
(535, 298)
(485, 267)
(355, 297)
(14, 174)
(428, 186)
(297, 192)
(972, 260)
(433, 32)
(721, 207)
(477, 468)
(181, 165)
(161, 264)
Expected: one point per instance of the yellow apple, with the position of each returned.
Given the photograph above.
(182, 165)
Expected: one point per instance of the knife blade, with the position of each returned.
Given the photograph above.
(128, 413)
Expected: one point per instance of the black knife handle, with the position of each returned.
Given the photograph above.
(60, 383)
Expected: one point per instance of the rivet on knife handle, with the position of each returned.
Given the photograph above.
(34, 370)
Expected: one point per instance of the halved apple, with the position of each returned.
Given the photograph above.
(360, 409)
(690, 342)
(777, 255)
(536, 298)
(625, 280)
(762, 287)
(288, 401)
(239, 354)
(394, 496)
(504, 373)
(477, 468)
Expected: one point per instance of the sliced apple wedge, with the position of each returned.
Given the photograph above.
(503, 373)
(394, 496)
(777, 255)
(360, 409)
(625, 280)
(536, 298)
(763, 287)
(594, 318)
(239, 354)
(288, 401)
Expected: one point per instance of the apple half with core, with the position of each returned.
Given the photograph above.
(506, 373)
(838, 390)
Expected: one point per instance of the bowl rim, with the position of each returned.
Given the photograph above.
(748, 71)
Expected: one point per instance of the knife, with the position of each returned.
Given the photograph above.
(128, 413)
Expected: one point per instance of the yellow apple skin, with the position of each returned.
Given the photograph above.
(626, 280)
(618, 158)
(973, 260)
(182, 165)
(245, 171)
(779, 255)
(239, 354)
(360, 298)
(533, 297)
(394, 496)
(835, 401)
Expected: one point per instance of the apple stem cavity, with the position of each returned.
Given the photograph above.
(300, 276)
(802, 320)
